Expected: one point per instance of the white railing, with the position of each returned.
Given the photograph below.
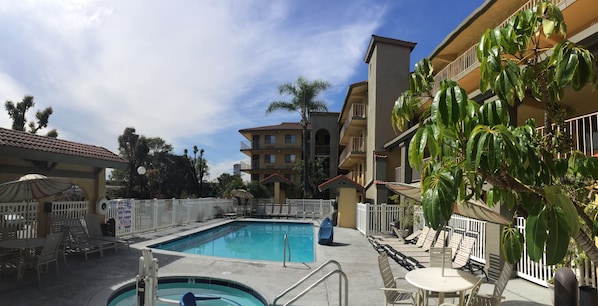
(583, 130)
(18, 220)
(313, 208)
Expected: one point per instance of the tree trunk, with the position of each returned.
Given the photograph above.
(588, 246)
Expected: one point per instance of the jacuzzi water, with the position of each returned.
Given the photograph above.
(254, 240)
(222, 292)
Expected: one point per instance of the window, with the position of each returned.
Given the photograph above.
(291, 139)
(269, 158)
(255, 177)
(290, 158)
(269, 139)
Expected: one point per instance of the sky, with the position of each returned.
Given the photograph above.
(195, 72)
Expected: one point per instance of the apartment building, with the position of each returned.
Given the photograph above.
(455, 58)
(276, 149)
(365, 119)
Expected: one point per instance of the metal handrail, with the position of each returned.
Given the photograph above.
(342, 275)
(286, 245)
(305, 278)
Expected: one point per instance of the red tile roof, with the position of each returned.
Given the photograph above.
(282, 126)
(12, 139)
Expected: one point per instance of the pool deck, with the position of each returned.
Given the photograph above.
(90, 283)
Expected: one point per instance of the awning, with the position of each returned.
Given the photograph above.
(475, 209)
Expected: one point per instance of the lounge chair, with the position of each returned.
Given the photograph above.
(496, 298)
(392, 294)
(94, 230)
(442, 236)
(455, 240)
(462, 258)
(48, 254)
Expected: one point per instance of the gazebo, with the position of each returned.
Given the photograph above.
(347, 198)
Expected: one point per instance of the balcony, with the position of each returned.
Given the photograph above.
(354, 151)
(583, 131)
(355, 122)
(468, 60)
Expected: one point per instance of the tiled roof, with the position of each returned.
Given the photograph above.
(282, 126)
(28, 141)
(340, 181)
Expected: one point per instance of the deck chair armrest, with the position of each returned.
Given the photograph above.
(397, 289)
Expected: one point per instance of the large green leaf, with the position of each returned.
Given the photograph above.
(512, 244)
(557, 241)
(536, 228)
(556, 199)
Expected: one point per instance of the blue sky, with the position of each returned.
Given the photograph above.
(195, 72)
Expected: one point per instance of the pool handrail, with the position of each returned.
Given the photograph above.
(305, 278)
(286, 245)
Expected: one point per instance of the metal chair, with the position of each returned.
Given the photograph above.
(470, 297)
(48, 254)
(392, 294)
(499, 287)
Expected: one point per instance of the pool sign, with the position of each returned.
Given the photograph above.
(123, 214)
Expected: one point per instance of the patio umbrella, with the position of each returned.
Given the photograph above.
(241, 193)
(32, 186)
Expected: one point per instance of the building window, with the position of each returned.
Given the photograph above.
(255, 177)
(290, 139)
(290, 158)
(269, 139)
(269, 158)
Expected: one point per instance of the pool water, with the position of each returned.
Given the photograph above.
(249, 240)
(228, 293)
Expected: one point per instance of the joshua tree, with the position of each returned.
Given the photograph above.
(17, 111)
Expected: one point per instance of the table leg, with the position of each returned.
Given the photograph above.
(461, 298)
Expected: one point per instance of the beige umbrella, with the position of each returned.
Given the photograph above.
(241, 193)
(32, 186)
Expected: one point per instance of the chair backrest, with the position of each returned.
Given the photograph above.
(51, 248)
(387, 277)
(474, 292)
(415, 234)
(455, 240)
(436, 255)
(501, 283)
(429, 239)
(77, 231)
(442, 235)
(465, 249)
(423, 236)
(92, 222)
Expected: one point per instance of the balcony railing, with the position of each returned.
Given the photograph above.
(468, 60)
(583, 131)
(357, 111)
(356, 145)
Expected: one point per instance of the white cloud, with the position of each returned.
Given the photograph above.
(191, 72)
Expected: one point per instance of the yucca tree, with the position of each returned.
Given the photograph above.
(537, 177)
(304, 99)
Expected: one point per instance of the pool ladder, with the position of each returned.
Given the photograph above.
(342, 278)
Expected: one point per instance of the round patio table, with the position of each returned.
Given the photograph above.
(21, 245)
(432, 279)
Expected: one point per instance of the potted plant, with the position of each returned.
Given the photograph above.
(404, 224)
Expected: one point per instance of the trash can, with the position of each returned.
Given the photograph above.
(588, 296)
(109, 229)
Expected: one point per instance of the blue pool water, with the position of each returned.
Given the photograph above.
(228, 293)
(249, 240)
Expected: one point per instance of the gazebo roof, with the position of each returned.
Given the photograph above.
(340, 181)
(276, 178)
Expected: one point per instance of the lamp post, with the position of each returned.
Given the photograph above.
(141, 171)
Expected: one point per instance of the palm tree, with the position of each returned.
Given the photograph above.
(304, 95)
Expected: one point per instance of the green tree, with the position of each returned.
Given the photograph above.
(227, 182)
(17, 112)
(304, 94)
(537, 177)
(134, 149)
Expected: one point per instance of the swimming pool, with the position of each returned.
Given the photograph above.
(254, 240)
(218, 292)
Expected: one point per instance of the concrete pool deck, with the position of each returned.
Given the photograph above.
(90, 283)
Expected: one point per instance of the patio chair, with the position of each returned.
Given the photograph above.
(455, 240)
(470, 297)
(48, 254)
(499, 287)
(462, 259)
(94, 230)
(436, 255)
(392, 293)
(441, 239)
(77, 240)
(413, 237)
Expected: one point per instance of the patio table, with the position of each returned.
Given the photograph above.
(22, 245)
(432, 279)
